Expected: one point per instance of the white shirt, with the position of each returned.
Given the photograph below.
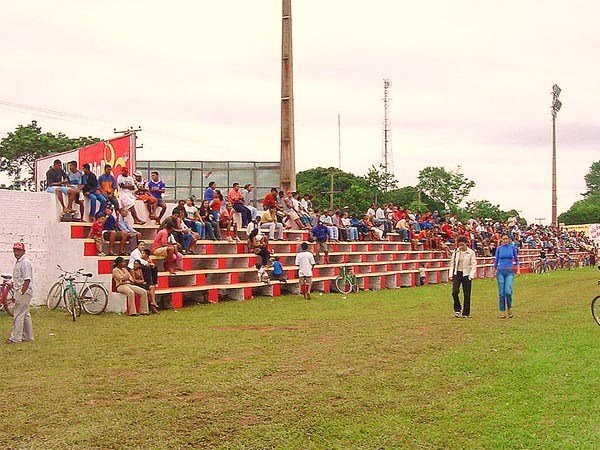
(326, 220)
(21, 272)
(136, 255)
(251, 226)
(371, 212)
(127, 181)
(379, 214)
(190, 211)
(305, 262)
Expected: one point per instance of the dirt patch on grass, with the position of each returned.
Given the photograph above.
(262, 328)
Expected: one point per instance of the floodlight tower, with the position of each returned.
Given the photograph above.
(556, 105)
(387, 160)
(288, 153)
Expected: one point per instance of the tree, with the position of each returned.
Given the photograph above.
(446, 187)
(355, 192)
(380, 179)
(592, 179)
(586, 210)
(583, 211)
(20, 148)
(484, 209)
(408, 196)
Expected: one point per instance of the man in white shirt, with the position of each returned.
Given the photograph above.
(22, 327)
(247, 196)
(305, 262)
(127, 194)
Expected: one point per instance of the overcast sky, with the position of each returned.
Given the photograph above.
(471, 83)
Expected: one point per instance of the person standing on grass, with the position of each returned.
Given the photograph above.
(22, 327)
(305, 262)
(506, 265)
(463, 267)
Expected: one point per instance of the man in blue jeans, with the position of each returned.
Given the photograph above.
(90, 190)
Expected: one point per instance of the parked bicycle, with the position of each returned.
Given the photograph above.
(347, 281)
(7, 295)
(92, 296)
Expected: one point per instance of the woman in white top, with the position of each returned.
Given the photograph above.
(463, 266)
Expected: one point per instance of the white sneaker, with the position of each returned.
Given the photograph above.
(457, 314)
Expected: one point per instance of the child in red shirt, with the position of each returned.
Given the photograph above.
(96, 233)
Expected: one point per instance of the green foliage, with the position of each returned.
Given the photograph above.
(486, 210)
(381, 179)
(583, 211)
(355, 192)
(588, 209)
(20, 148)
(592, 179)
(449, 188)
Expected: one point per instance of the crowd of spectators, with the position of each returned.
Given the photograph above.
(112, 200)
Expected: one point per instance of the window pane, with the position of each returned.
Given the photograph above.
(267, 178)
(168, 176)
(182, 193)
(183, 178)
(241, 176)
(156, 165)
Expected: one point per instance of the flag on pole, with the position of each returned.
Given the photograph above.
(207, 174)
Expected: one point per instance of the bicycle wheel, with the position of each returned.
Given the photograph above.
(343, 285)
(94, 299)
(54, 295)
(72, 304)
(596, 309)
(355, 283)
(9, 303)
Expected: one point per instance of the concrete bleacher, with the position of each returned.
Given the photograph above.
(221, 270)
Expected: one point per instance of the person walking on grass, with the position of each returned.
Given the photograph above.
(463, 267)
(506, 266)
(305, 262)
(22, 327)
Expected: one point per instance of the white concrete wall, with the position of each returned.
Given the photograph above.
(32, 217)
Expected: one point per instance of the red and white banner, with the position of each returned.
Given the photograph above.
(118, 152)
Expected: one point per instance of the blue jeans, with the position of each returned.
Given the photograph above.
(96, 196)
(505, 279)
(196, 226)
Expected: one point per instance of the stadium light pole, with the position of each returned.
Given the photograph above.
(556, 105)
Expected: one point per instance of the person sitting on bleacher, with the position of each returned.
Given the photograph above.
(124, 285)
(327, 220)
(180, 232)
(126, 187)
(139, 278)
(236, 199)
(215, 205)
(142, 193)
(257, 246)
(57, 183)
(108, 186)
(211, 225)
(112, 233)
(157, 189)
(132, 235)
(351, 230)
(247, 196)
(192, 218)
(227, 223)
(374, 232)
(269, 222)
(91, 190)
(209, 193)
(290, 211)
(164, 247)
(76, 184)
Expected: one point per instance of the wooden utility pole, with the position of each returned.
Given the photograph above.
(288, 154)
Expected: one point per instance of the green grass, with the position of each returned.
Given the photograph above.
(387, 369)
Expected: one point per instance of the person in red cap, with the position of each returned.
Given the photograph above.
(22, 328)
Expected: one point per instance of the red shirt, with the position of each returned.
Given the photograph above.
(270, 201)
(160, 240)
(97, 229)
(235, 196)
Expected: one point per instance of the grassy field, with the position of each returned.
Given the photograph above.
(386, 369)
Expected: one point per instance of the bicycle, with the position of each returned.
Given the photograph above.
(7, 295)
(92, 298)
(596, 308)
(346, 282)
(541, 266)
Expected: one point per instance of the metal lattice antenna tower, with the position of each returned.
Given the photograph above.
(387, 158)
